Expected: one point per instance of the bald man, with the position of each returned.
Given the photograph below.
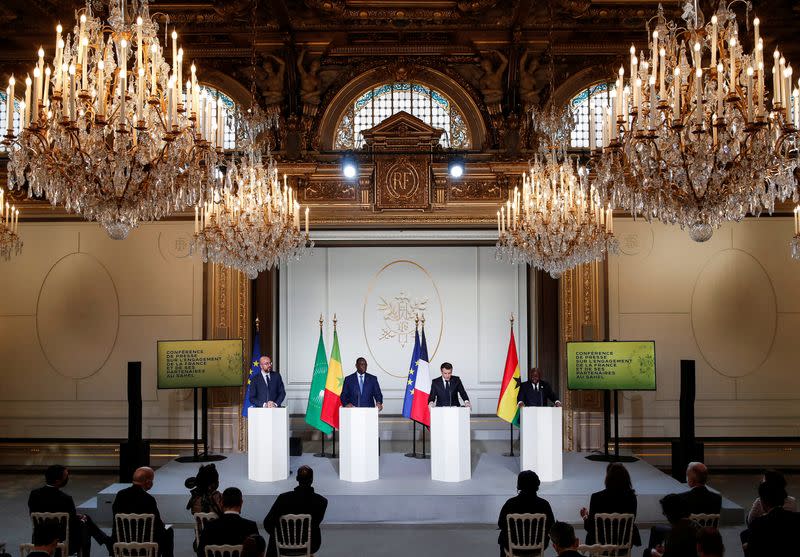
(136, 500)
(699, 498)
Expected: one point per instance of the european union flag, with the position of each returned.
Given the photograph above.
(408, 400)
(254, 368)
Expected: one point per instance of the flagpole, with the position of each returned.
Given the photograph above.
(423, 455)
(333, 455)
(511, 424)
(322, 453)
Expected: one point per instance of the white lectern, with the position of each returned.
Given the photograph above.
(358, 444)
(541, 444)
(267, 444)
(450, 450)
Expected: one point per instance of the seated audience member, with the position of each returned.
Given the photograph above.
(709, 543)
(526, 502)
(205, 496)
(50, 499)
(302, 500)
(230, 528)
(45, 539)
(254, 546)
(136, 500)
(617, 497)
(679, 539)
(774, 533)
(699, 498)
(564, 540)
(777, 478)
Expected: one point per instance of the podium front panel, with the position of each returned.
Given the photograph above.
(358, 444)
(450, 444)
(541, 442)
(267, 444)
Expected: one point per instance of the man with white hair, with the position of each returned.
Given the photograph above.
(699, 498)
(136, 500)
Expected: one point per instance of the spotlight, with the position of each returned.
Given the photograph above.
(456, 169)
(349, 169)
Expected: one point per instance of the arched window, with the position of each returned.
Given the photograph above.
(4, 117)
(229, 138)
(598, 96)
(377, 103)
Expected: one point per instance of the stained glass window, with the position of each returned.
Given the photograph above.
(598, 96)
(4, 117)
(229, 139)
(382, 101)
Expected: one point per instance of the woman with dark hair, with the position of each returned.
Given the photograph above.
(617, 497)
(526, 502)
(773, 477)
(205, 495)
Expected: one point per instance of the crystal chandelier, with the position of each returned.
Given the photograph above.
(110, 130)
(10, 243)
(557, 221)
(251, 223)
(690, 140)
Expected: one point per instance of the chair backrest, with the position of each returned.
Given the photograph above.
(63, 523)
(293, 535)
(223, 551)
(200, 522)
(601, 550)
(133, 549)
(526, 533)
(614, 529)
(134, 528)
(706, 520)
(25, 548)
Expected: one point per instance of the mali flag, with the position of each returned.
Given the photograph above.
(507, 408)
(333, 386)
(317, 392)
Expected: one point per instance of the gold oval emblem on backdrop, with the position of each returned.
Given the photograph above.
(402, 180)
(399, 292)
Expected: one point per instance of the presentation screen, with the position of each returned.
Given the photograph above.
(199, 363)
(628, 365)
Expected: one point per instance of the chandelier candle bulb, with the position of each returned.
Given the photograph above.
(749, 94)
(720, 79)
(796, 221)
(37, 76)
(180, 75)
(141, 85)
(796, 115)
(123, 84)
(652, 102)
(696, 57)
(760, 90)
(306, 221)
(787, 88)
(591, 134)
(46, 90)
(776, 89)
(661, 74)
(80, 36)
(153, 68)
(757, 32)
(714, 40)
(698, 96)
(139, 61)
(174, 52)
(26, 113)
(10, 107)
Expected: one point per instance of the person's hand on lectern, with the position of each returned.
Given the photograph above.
(520, 404)
(380, 406)
(349, 405)
(431, 404)
(468, 404)
(271, 404)
(558, 404)
(584, 513)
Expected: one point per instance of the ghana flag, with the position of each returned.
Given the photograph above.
(507, 408)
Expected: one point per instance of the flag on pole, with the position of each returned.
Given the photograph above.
(254, 368)
(333, 385)
(507, 408)
(317, 392)
(412, 378)
(422, 386)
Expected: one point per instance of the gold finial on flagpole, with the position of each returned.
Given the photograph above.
(423, 320)
(334, 321)
(258, 323)
(416, 320)
(512, 319)
(320, 322)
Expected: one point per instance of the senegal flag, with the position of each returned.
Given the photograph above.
(507, 408)
(333, 386)
(317, 392)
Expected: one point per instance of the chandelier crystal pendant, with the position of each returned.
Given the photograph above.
(690, 139)
(558, 220)
(110, 130)
(10, 242)
(795, 243)
(253, 223)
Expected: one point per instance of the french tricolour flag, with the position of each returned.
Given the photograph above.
(422, 386)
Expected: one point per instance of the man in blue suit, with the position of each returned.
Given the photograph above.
(361, 389)
(266, 388)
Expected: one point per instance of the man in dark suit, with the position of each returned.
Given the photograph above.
(230, 528)
(535, 392)
(266, 389)
(564, 540)
(699, 499)
(446, 389)
(302, 500)
(774, 533)
(361, 389)
(136, 500)
(527, 501)
(679, 538)
(45, 539)
(50, 499)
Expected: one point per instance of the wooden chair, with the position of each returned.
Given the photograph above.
(526, 535)
(134, 528)
(706, 520)
(25, 548)
(615, 529)
(63, 523)
(223, 551)
(293, 535)
(133, 549)
(200, 522)
(598, 550)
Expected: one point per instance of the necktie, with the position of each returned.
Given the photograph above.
(360, 383)
(447, 392)
(266, 377)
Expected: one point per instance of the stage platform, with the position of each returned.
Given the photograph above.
(405, 494)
